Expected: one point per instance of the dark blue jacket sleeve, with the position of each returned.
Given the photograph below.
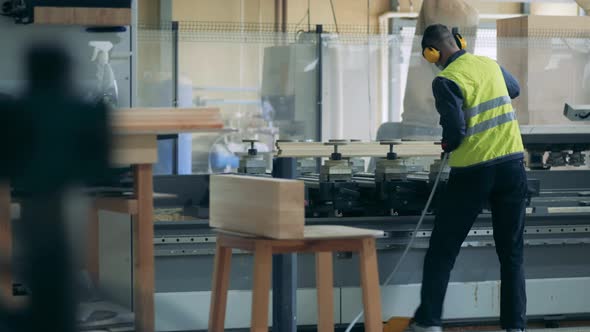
(449, 104)
(511, 84)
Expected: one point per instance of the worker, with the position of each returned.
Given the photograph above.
(480, 131)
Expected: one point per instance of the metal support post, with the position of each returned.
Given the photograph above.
(284, 267)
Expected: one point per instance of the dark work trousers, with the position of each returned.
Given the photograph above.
(504, 186)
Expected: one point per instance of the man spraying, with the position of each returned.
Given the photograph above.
(480, 131)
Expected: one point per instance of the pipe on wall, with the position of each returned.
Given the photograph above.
(277, 15)
(284, 15)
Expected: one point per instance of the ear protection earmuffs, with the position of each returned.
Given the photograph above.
(432, 54)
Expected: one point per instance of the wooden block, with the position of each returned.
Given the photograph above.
(134, 149)
(82, 16)
(165, 120)
(260, 206)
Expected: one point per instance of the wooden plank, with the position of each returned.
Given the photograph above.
(261, 206)
(143, 253)
(335, 232)
(362, 149)
(311, 246)
(165, 120)
(134, 149)
(5, 242)
(261, 287)
(116, 204)
(289, 246)
(236, 241)
(325, 289)
(370, 286)
(82, 16)
(221, 275)
(54, 15)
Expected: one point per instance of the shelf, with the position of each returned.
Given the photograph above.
(85, 16)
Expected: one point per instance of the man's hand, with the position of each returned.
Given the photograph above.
(445, 147)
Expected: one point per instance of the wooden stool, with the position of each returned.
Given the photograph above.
(321, 240)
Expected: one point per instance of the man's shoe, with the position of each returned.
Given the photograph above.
(417, 328)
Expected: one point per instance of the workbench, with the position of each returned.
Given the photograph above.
(135, 134)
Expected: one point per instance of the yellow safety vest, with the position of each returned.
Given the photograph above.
(492, 131)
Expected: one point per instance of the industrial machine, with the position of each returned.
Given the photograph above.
(390, 198)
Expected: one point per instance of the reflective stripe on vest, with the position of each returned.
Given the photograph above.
(486, 106)
(491, 123)
(491, 128)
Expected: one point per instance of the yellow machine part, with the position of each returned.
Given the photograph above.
(396, 324)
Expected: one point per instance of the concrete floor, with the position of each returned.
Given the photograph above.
(563, 329)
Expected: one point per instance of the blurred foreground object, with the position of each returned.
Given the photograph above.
(52, 141)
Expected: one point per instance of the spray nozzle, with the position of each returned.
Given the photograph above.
(101, 50)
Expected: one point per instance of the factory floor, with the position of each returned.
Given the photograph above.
(585, 328)
(565, 326)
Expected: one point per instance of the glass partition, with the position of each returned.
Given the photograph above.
(264, 82)
(552, 66)
(347, 85)
(156, 77)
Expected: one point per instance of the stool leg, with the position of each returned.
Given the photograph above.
(261, 287)
(325, 288)
(219, 289)
(370, 285)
